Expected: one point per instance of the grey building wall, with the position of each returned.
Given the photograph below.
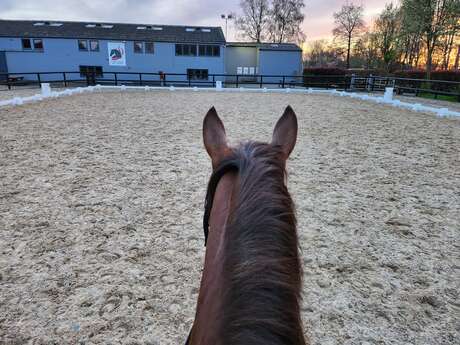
(240, 56)
(64, 55)
(287, 63)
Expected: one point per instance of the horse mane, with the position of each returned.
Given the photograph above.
(262, 271)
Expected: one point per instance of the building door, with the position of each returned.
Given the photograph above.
(3, 65)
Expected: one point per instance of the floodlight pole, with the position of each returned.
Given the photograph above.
(226, 17)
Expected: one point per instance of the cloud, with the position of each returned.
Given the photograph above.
(318, 13)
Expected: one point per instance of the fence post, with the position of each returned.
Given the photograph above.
(39, 79)
(115, 78)
(140, 79)
(352, 82)
(213, 80)
(261, 81)
(372, 83)
(284, 80)
(8, 81)
(64, 78)
(164, 79)
(93, 78)
(237, 80)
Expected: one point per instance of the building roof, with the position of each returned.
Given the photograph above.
(266, 46)
(110, 31)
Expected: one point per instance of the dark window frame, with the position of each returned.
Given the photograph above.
(97, 70)
(80, 47)
(210, 50)
(36, 42)
(135, 44)
(91, 48)
(197, 74)
(23, 40)
(149, 51)
(186, 49)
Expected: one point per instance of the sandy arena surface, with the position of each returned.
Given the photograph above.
(101, 203)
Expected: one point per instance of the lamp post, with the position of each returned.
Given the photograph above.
(226, 17)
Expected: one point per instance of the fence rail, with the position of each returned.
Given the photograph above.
(67, 78)
(418, 87)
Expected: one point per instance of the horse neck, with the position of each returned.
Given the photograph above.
(209, 308)
(262, 280)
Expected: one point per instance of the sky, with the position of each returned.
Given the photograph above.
(318, 22)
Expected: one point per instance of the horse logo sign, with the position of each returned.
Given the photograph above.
(117, 53)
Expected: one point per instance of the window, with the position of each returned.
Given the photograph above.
(186, 49)
(209, 50)
(91, 70)
(197, 74)
(90, 25)
(141, 27)
(149, 49)
(26, 43)
(157, 28)
(38, 44)
(205, 30)
(190, 29)
(94, 45)
(82, 45)
(138, 47)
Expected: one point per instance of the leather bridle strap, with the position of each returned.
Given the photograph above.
(223, 168)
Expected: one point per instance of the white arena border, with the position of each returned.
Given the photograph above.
(386, 99)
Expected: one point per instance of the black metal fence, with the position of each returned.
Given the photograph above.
(417, 87)
(65, 79)
(402, 86)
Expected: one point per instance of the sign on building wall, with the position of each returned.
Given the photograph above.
(117, 53)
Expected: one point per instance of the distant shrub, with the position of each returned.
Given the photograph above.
(435, 75)
(324, 71)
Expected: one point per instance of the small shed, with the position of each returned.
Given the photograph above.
(251, 59)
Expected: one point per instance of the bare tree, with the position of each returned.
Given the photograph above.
(366, 51)
(286, 18)
(321, 53)
(457, 59)
(432, 19)
(348, 23)
(254, 21)
(387, 30)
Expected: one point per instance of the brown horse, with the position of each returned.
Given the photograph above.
(251, 284)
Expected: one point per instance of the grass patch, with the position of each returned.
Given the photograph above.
(439, 97)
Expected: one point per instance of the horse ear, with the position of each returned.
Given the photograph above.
(285, 132)
(214, 137)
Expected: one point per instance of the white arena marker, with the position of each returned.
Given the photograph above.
(219, 85)
(46, 89)
(17, 101)
(388, 96)
(195, 88)
(416, 107)
(172, 88)
(443, 112)
(265, 89)
(146, 88)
